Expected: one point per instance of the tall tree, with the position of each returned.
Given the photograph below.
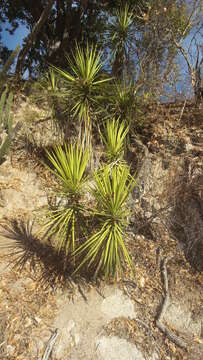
(65, 23)
(32, 36)
(141, 37)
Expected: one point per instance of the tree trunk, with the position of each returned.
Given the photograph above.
(32, 36)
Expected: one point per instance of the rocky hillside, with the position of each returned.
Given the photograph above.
(157, 313)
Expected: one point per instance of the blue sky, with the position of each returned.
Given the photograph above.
(11, 41)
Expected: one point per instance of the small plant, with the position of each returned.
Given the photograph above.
(122, 101)
(106, 249)
(114, 139)
(66, 220)
(6, 122)
(45, 88)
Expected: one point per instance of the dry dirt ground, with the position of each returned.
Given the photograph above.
(111, 321)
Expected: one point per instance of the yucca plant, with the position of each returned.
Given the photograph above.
(119, 36)
(105, 250)
(84, 84)
(66, 220)
(114, 139)
(122, 100)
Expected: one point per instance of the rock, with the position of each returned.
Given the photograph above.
(180, 319)
(16, 287)
(78, 340)
(67, 339)
(114, 348)
(21, 191)
(38, 319)
(37, 346)
(118, 305)
(14, 199)
(11, 350)
(37, 125)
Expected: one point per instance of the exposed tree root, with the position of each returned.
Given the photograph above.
(173, 337)
(50, 345)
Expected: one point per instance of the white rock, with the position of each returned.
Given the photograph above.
(118, 305)
(180, 318)
(70, 325)
(68, 338)
(80, 322)
(76, 339)
(10, 349)
(114, 348)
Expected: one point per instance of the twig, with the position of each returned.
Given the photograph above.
(174, 338)
(151, 218)
(82, 294)
(159, 252)
(2, 344)
(50, 345)
(100, 293)
(146, 326)
(130, 283)
(182, 111)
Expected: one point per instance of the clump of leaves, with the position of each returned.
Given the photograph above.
(119, 37)
(45, 89)
(52, 79)
(122, 100)
(84, 85)
(114, 139)
(105, 250)
(66, 221)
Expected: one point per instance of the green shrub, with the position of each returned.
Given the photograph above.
(106, 248)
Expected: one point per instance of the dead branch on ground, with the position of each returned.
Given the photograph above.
(164, 329)
(50, 345)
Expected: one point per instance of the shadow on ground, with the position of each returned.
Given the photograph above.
(24, 248)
